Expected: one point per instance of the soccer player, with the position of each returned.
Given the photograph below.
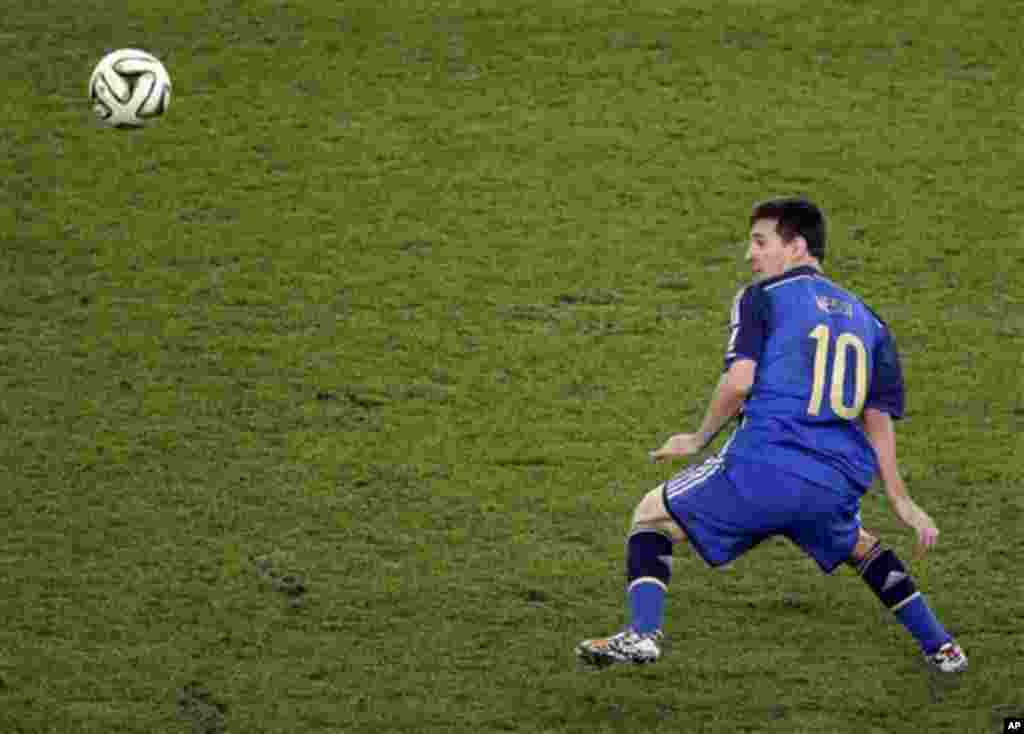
(815, 379)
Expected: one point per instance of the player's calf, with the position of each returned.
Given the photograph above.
(886, 575)
(889, 579)
(648, 571)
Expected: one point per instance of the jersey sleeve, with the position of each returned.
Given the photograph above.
(746, 326)
(887, 392)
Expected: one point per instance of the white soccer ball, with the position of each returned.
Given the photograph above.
(129, 87)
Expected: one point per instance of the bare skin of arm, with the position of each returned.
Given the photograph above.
(880, 432)
(726, 402)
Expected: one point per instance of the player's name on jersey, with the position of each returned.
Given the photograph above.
(834, 305)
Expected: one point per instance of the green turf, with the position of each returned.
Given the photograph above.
(325, 400)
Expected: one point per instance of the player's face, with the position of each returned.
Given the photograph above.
(769, 255)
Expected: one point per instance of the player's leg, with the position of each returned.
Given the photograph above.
(648, 570)
(652, 515)
(699, 504)
(830, 532)
(649, 561)
(889, 579)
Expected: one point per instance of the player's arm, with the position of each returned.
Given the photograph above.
(746, 342)
(727, 400)
(726, 403)
(884, 404)
(880, 431)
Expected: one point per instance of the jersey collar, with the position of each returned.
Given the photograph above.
(796, 272)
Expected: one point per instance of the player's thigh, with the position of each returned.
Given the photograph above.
(652, 514)
(829, 530)
(717, 513)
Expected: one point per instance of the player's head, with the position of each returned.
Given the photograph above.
(785, 233)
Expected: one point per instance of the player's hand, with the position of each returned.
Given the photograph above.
(927, 536)
(682, 444)
(914, 517)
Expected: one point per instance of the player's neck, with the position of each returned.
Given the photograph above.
(803, 262)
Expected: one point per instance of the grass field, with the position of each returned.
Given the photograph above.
(325, 400)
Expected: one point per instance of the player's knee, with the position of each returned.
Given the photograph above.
(647, 509)
(651, 514)
(668, 528)
(866, 543)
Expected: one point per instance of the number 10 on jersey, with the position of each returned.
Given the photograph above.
(838, 351)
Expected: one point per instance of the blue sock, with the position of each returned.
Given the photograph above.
(648, 570)
(886, 575)
(647, 606)
(921, 622)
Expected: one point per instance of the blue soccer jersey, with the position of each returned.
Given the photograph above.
(822, 357)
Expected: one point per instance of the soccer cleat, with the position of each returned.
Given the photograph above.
(625, 647)
(949, 659)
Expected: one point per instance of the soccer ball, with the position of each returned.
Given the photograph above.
(128, 87)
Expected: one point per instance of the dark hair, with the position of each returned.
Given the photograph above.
(795, 216)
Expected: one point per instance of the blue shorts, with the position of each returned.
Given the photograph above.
(728, 508)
